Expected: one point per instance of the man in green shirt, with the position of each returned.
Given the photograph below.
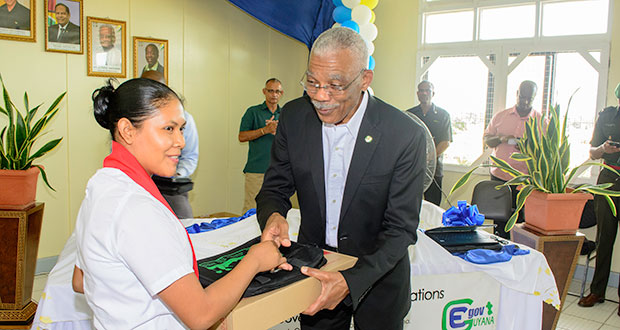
(258, 127)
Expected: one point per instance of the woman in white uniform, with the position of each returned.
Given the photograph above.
(135, 262)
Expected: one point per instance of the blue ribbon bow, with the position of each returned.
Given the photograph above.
(464, 215)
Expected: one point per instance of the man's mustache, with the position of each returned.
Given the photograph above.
(324, 106)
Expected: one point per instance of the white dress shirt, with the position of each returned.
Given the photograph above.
(61, 30)
(188, 161)
(338, 145)
(130, 247)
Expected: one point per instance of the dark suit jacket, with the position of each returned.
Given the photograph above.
(71, 36)
(381, 202)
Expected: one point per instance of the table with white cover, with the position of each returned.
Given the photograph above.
(525, 281)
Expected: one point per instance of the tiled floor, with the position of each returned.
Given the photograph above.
(573, 317)
(602, 316)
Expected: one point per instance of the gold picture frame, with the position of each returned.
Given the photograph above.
(64, 26)
(107, 58)
(21, 25)
(157, 54)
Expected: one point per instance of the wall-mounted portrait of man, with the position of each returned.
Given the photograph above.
(106, 47)
(17, 20)
(63, 19)
(150, 55)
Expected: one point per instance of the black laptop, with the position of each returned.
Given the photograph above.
(463, 238)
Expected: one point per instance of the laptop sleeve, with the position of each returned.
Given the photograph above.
(213, 268)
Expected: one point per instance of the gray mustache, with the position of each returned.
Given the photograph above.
(324, 106)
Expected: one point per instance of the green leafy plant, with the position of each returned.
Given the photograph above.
(546, 153)
(18, 137)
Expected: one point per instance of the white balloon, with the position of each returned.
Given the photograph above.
(369, 31)
(350, 3)
(371, 47)
(361, 14)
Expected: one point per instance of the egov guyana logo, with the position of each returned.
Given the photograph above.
(463, 315)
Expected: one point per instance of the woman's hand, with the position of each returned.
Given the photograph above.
(266, 256)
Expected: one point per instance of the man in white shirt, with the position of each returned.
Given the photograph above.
(107, 58)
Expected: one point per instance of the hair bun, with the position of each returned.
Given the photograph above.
(102, 104)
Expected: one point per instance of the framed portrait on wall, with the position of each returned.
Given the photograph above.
(63, 26)
(17, 20)
(106, 48)
(150, 55)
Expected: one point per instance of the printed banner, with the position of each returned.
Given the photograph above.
(464, 301)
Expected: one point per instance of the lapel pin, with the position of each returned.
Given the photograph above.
(368, 139)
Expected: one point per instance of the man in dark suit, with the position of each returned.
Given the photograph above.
(64, 31)
(357, 165)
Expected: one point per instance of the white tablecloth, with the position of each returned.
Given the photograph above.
(525, 281)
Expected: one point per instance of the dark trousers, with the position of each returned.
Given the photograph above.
(338, 319)
(606, 230)
(433, 193)
(180, 205)
(500, 229)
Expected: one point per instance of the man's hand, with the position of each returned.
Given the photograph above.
(334, 289)
(271, 125)
(276, 229)
(610, 147)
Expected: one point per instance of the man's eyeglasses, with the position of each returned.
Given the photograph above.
(312, 87)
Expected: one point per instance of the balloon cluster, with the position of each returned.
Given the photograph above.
(358, 16)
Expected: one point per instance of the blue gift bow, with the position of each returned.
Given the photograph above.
(484, 256)
(464, 215)
(217, 223)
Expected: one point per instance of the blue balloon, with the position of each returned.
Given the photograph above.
(337, 2)
(351, 25)
(342, 14)
(371, 63)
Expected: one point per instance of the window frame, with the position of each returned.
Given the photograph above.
(503, 48)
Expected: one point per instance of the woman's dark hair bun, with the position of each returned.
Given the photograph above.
(103, 103)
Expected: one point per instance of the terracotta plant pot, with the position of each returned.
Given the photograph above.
(555, 212)
(19, 188)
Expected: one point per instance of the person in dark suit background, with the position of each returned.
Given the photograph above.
(357, 164)
(13, 15)
(64, 31)
(151, 53)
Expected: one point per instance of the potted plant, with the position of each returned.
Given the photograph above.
(546, 152)
(17, 152)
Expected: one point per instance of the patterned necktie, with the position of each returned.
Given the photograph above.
(62, 33)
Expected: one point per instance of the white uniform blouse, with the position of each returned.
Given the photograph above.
(130, 247)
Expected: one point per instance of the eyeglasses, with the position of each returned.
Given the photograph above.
(276, 91)
(332, 89)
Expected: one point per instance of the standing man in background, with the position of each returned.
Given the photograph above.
(502, 134)
(181, 184)
(604, 145)
(258, 126)
(438, 122)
